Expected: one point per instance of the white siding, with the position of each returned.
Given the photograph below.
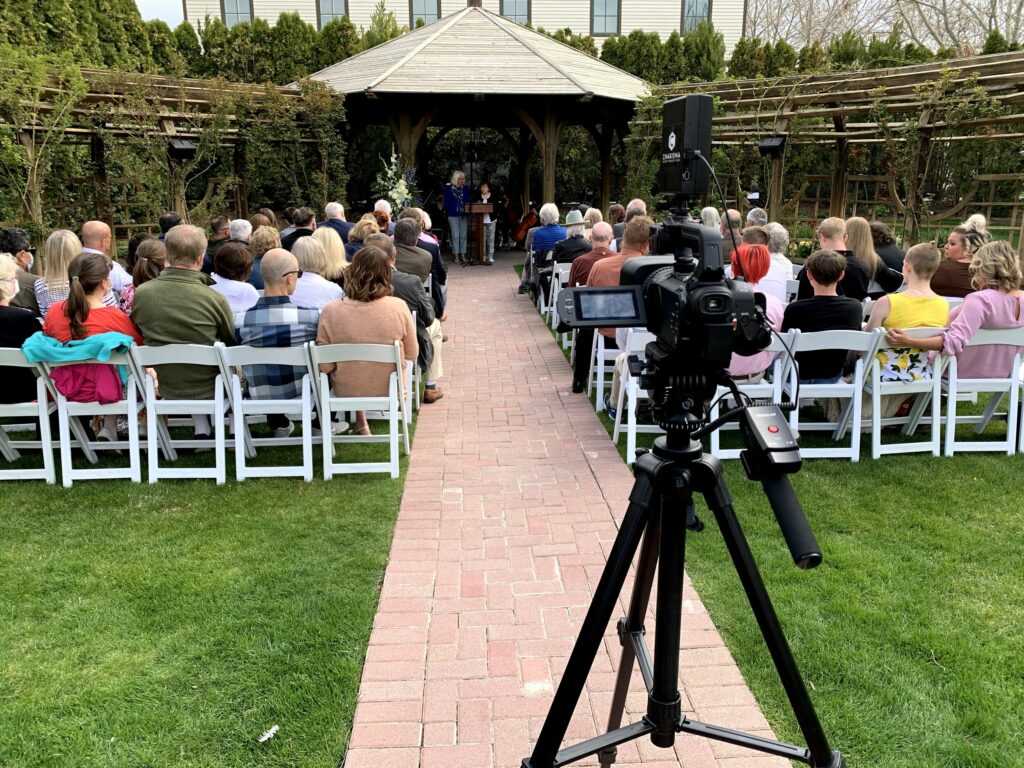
(661, 16)
(272, 9)
(727, 16)
(360, 11)
(559, 14)
(198, 10)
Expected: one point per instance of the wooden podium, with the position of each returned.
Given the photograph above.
(478, 210)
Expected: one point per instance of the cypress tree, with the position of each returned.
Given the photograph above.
(186, 41)
(705, 52)
(673, 59)
(294, 43)
(338, 40)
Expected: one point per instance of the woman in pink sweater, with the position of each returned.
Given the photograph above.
(997, 303)
(369, 314)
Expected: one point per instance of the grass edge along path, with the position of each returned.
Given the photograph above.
(174, 624)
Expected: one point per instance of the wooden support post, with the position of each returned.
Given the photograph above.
(548, 136)
(526, 150)
(408, 134)
(837, 205)
(604, 137)
(775, 185)
(241, 188)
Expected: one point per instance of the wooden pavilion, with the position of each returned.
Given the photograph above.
(477, 69)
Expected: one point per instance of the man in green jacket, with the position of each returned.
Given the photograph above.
(178, 307)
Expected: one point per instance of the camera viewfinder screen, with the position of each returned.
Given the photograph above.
(598, 306)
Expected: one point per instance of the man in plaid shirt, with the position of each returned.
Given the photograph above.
(275, 322)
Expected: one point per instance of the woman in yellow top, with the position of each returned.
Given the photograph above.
(916, 307)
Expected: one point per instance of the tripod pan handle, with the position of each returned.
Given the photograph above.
(795, 528)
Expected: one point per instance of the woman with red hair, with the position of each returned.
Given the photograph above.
(752, 262)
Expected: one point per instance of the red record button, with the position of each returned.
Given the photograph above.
(773, 429)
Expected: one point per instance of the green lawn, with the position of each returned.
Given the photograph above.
(171, 625)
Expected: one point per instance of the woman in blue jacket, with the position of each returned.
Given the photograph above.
(456, 198)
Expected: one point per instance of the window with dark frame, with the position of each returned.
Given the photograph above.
(236, 11)
(329, 10)
(516, 10)
(428, 10)
(604, 17)
(694, 12)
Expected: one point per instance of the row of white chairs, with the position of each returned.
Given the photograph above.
(782, 385)
(228, 398)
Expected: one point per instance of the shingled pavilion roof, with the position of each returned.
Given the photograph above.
(477, 51)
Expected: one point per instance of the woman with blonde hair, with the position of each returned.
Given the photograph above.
(369, 314)
(859, 240)
(367, 225)
(312, 289)
(260, 241)
(16, 325)
(335, 251)
(61, 247)
(996, 303)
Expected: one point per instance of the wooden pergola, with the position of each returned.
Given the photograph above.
(477, 69)
(857, 108)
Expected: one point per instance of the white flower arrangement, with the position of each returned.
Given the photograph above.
(395, 184)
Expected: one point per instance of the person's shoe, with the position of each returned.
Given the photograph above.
(204, 436)
(444, 338)
(522, 290)
(337, 428)
(107, 435)
(432, 395)
(281, 432)
(696, 525)
(489, 263)
(578, 388)
(608, 407)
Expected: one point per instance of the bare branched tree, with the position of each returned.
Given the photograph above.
(963, 24)
(801, 22)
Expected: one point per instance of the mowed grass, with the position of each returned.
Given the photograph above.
(172, 625)
(910, 634)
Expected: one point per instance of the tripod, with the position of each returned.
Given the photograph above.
(662, 495)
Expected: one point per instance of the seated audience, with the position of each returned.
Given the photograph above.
(635, 207)
(150, 259)
(438, 270)
(313, 289)
(335, 219)
(575, 242)
(916, 307)
(885, 245)
(778, 247)
(96, 238)
(166, 221)
(590, 218)
(16, 243)
(16, 325)
(826, 310)
(579, 273)
(367, 225)
(616, 215)
(954, 277)
(289, 224)
(274, 321)
(409, 288)
(757, 217)
(753, 263)
(271, 217)
(220, 234)
(334, 250)
(755, 234)
(732, 235)
(856, 275)
(261, 241)
(382, 215)
(997, 303)
(549, 233)
(62, 246)
(305, 224)
(412, 259)
(240, 230)
(859, 240)
(710, 217)
(178, 307)
(258, 220)
(81, 315)
(368, 314)
(133, 249)
(232, 267)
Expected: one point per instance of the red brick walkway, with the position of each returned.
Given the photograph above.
(512, 501)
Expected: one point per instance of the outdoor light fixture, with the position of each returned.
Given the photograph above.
(180, 149)
(773, 146)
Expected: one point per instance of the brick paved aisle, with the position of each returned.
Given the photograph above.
(511, 504)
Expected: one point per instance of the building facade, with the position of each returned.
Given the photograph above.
(600, 18)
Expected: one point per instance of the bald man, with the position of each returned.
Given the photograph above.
(96, 238)
(275, 322)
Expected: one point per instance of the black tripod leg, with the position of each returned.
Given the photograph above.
(594, 625)
(633, 624)
(719, 501)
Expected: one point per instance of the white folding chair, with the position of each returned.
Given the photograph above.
(630, 394)
(215, 408)
(69, 411)
(428, 285)
(559, 278)
(393, 404)
(861, 342)
(241, 407)
(766, 389)
(927, 391)
(1009, 385)
(600, 370)
(38, 412)
(792, 289)
(869, 304)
